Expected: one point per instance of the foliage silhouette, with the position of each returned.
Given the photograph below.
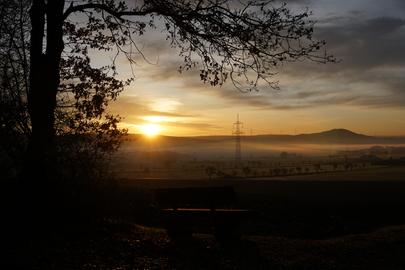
(66, 94)
(85, 134)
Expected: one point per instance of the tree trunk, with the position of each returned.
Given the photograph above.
(44, 82)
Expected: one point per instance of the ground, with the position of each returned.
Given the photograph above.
(137, 247)
(348, 220)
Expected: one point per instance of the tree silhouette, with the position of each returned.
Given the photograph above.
(210, 171)
(240, 42)
(85, 134)
(247, 171)
(14, 124)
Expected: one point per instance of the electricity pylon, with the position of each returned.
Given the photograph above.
(237, 131)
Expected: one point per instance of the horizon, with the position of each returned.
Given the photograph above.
(265, 134)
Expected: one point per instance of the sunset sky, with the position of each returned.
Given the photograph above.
(365, 92)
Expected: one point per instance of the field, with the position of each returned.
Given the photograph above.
(316, 205)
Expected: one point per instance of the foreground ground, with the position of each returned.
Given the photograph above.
(352, 220)
(136, 247)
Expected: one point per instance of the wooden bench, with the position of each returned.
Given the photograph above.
(183, 210)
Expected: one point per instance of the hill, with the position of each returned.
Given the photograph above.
(333, 136)
(224, 143)
(344, 136)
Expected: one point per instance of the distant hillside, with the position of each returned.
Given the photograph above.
(333, 136)
(339, 133)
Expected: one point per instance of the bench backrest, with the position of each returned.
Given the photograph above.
(205, 197)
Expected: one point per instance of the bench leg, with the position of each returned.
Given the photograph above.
(179, 233)
(226, 232)
(178, 230)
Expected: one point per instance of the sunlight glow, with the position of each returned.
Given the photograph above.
(155, 118)
(165, 105)
(150, 130)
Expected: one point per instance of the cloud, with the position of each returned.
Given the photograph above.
(135, 107)
(370, 74)
(369, 49)
(301, 2)
(168, 105)
(360, 44)
(371, 70)
(192, 125)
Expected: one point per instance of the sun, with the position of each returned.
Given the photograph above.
(150, 130)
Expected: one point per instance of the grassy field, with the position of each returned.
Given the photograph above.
(368, 174)
(317, 205)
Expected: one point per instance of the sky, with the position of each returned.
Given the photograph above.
(364, 92)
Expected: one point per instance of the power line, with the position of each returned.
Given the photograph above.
(237, 131)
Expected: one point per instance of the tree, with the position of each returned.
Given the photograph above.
(247, 171)
(85, 134)
(14, 124)
(226, 41)
(210, 171)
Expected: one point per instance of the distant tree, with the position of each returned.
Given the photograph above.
(270, 172)
(241, 42)
(284, 155)
(210, 171)
(247, 171)
(284, 171)
(348, 166)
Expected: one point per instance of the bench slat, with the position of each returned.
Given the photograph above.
(206, 197)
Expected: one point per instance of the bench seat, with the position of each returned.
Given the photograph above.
(184, 210)
(236, 211)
